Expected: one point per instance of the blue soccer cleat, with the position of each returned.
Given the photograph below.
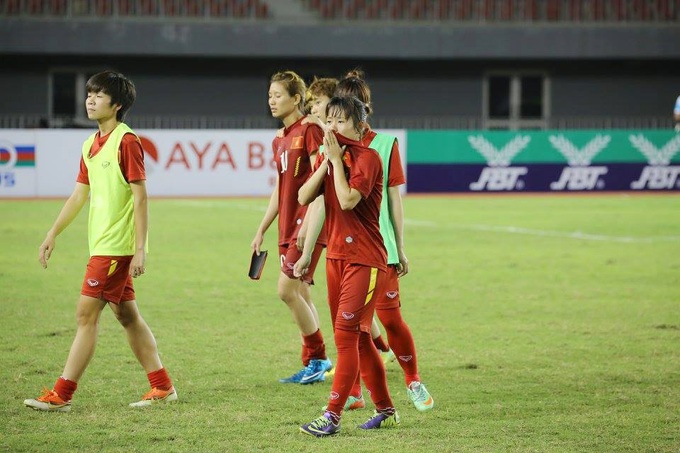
(315, 371)
(295, 378)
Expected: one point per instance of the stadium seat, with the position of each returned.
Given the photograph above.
(399, 10)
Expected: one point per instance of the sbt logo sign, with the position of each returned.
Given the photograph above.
(580, 175)
(659, 174)
(498, 175)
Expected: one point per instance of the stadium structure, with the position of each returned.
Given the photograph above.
(437, 64)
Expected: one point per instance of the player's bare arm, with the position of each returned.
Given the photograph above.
(141, 210)
(397, 219)
(317, 215)
(269, 216)
(71, 208)
(310, 189)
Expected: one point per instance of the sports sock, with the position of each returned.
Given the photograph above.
(346, 368)
(356, 388)
(401, 341)
(380, 344)
(159, 379)
(373, 373)
(65, 388)
(335, 418)
(313, 347)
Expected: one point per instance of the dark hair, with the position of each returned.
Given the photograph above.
(350, 107)
(293, 84)
(353, 84)
(120, 88)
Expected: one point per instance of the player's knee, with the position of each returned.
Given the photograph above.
(87, 318)
(287, 295)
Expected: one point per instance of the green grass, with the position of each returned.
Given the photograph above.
(530, 337)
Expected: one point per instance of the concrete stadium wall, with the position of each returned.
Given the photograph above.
(230, 87)
(271, 39)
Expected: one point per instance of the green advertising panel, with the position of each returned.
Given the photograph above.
(572, 147)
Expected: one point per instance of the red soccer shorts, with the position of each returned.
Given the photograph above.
(352, 293)
(389, 298)
(108, 278)
(289, 255)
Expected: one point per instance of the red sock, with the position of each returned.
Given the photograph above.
(313, 347)
(346, 368)
(159, 379)
(380, 344)
(401, 341)
(65, 388)
(373, 373)
(356, 388)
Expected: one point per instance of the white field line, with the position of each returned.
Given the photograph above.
(578, 235)
(547, 233)
(222, 204)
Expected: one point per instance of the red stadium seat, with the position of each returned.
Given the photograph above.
(148, 8)
(443, 11)
(552, 10)
(34, 7)
(103, 8)
(262, 11)
(57, 7)
(498, 10)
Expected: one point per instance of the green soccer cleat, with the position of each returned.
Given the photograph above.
(419, 396)
(388, 357)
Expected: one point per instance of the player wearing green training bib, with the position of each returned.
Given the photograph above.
(112, 175)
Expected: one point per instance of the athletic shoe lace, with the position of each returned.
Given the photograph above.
(155, 394)
(419, 393)
(311, 366)
(50, 396)
(320, 422)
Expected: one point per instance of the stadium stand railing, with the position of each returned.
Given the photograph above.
(265, 122)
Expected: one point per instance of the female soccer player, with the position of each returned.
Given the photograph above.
(294, 151)
(112, 174)
(350, 178)
(388, 303)
(320, 91)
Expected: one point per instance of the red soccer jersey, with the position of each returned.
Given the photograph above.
(354, 235)
(292, 156)
(130, 158)
(395, 175)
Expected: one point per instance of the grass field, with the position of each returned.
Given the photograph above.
(543, 324)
